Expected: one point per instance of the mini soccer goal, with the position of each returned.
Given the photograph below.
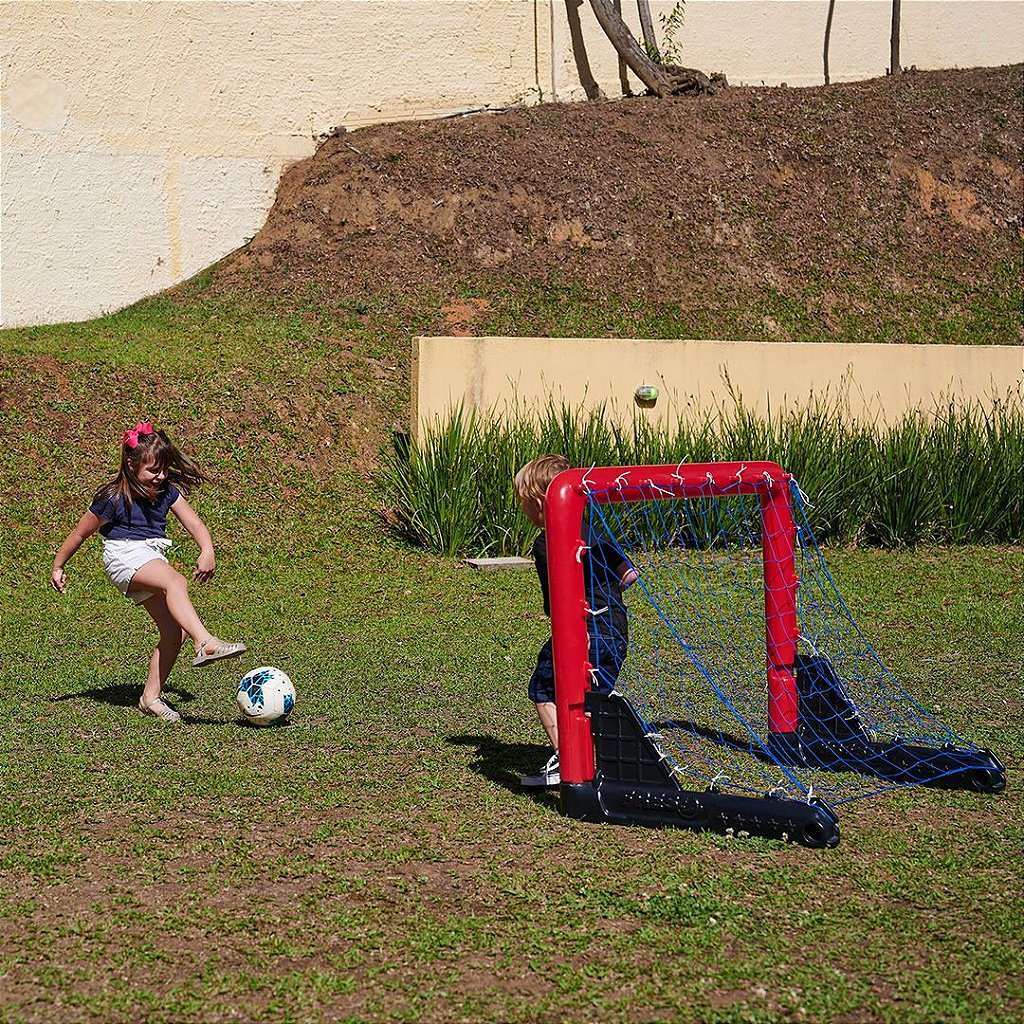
(749, 701)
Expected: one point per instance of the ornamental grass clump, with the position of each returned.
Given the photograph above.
(950, 477)
(978, 460)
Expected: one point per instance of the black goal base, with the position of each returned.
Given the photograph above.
(831, 737)
(905, 764)
(633, 785)
(622, 803)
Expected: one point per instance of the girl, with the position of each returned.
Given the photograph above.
(131, 514)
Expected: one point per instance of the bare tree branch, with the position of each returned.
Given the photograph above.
(662, 80)
(647, 26)
(828, 35)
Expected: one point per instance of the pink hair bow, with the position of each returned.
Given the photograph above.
(131, 437)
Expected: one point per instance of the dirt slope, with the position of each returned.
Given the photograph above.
(892, 186)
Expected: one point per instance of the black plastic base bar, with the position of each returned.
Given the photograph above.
(905, 764)
(633, 785)
(622, 803)
(832, 737)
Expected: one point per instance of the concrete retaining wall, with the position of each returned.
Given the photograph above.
(503, 376)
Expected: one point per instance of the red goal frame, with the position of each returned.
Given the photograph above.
(565, 505)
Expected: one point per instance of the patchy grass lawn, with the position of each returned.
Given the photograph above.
(376, 859)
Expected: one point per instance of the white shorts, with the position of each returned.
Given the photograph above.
(122, 559)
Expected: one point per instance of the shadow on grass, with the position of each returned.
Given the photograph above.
(506, 763)
(123, 695)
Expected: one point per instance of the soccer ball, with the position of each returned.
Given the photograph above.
(265, 695)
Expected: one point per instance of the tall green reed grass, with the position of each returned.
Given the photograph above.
(955, 476)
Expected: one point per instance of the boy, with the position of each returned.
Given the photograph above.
(605, 574)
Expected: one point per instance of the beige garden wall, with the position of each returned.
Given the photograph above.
(142, 141)
(503, 376)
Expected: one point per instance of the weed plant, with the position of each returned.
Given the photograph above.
(954, 476)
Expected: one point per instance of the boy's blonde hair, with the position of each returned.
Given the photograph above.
(533, 479)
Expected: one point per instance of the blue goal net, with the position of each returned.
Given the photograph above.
(695, 671)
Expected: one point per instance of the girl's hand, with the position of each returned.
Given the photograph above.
(204, 567)
(200, 534)
(83, 530)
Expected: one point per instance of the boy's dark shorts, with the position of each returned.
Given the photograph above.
(607, 655)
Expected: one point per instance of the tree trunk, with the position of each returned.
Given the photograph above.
(667, 80)
(894, 40)
(647, 26)
(828, 35)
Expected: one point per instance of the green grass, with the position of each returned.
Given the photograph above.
(856, 307)
(376, 860)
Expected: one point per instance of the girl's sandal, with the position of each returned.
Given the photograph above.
(221, 651)
(160, 709)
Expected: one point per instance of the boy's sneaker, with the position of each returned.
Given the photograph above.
(547, 776)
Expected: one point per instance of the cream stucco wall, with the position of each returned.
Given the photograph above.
(142, 141)
(878, 383)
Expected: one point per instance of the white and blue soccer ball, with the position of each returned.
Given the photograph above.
(265, 695)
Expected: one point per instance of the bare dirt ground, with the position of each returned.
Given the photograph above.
(898, 184)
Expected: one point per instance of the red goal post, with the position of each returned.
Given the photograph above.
(565, 507)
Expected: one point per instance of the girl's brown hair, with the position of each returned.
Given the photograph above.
(155, 448)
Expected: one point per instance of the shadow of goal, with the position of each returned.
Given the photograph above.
(749, 701)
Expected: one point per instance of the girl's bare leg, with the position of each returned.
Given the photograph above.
(166, 654)
(166, 582)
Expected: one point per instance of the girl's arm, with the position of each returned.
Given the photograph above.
(83, 530)
(188, 518)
